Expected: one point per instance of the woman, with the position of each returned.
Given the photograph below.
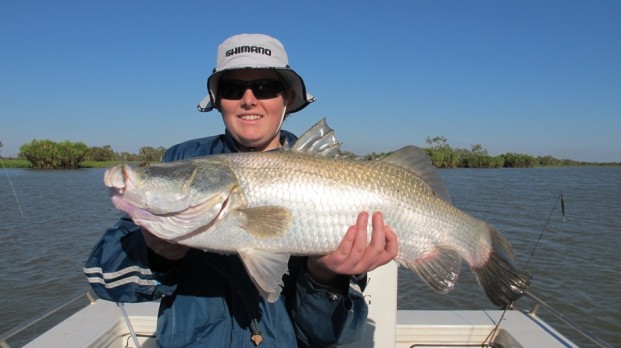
(208, 299)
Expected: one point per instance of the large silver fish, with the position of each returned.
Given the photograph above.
(267, 206)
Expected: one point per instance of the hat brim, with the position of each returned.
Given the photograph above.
(293, 80)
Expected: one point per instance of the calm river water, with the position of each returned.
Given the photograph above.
(49, 220)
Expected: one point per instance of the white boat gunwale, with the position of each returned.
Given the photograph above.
(101, 324)
(108, 324)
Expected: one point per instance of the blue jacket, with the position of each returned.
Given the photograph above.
(208, 300)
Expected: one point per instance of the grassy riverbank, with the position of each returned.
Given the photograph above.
(21, 163)
(14, 163)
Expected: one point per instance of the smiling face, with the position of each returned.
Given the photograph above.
(254, 123)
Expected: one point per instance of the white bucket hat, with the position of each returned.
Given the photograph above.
(255, 51)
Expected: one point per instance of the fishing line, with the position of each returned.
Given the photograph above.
(491, 335)
(12, 187)
(560, 199)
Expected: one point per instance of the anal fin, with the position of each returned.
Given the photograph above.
(439, 269)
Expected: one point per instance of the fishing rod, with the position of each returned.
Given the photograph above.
(129, 324)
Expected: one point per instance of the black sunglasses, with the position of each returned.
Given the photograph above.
(262, 89)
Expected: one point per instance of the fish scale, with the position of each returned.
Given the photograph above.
(396, 195)
(334, 207)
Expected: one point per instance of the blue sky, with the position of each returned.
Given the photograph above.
(534, 77)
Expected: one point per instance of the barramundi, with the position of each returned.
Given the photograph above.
(267, 206)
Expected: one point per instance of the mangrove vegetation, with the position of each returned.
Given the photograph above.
(47, 154)
(442, 155)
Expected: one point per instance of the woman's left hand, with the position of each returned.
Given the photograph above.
(353, 255)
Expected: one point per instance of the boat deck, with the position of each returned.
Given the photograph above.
(469, 328)
(101, 324)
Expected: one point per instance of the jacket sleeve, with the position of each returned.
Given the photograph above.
(118, 267)
(324, 317)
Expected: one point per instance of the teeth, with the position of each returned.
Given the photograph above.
(251, 117)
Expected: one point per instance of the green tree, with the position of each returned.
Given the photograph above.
(348, 154)
(101, 154)
(548, 161)
(128, 157)
(72, 154)
(373, 156)
(518, 160)
(46, 154)
(440, 153)
(478, 150)
(478, 157)
(151, 154)
(438, 143)
(443, 158)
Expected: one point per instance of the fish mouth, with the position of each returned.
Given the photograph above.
(180, 225)
(131, 209)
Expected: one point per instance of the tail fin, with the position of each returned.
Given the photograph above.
(501, 279)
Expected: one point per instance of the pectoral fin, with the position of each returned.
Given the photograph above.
(266, 270)
(265, 222)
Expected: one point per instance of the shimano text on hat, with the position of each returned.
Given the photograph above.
(249, 49)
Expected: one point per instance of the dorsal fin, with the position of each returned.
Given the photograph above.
(416, 161)
(320, 140)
